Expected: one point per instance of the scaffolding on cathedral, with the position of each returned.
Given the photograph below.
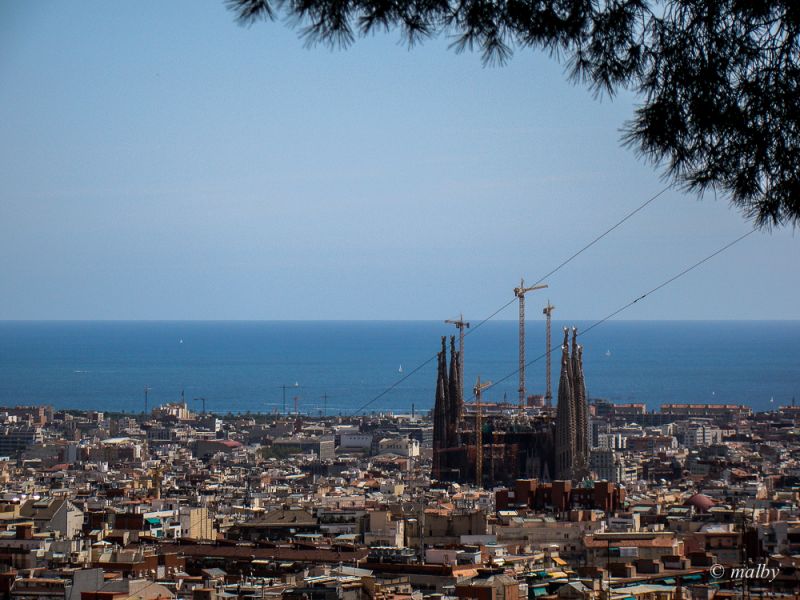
(533, 446)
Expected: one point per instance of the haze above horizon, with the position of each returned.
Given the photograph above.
(161, 162)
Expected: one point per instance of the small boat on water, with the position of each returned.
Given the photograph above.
(400, 370)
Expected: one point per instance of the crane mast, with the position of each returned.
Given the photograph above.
(520, 292)
(548, 396)
(477, 390)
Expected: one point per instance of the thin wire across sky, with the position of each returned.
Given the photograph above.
(555, 270)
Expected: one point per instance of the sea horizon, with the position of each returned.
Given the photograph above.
(349, 366)
(494, 320)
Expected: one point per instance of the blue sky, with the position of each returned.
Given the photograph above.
(159, 161)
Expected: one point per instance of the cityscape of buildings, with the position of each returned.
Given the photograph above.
(476, 500)
(162, 164)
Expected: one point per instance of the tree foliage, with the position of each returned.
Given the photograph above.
(718, 80)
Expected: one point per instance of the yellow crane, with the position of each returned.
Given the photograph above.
(477, 390)
(520, 292)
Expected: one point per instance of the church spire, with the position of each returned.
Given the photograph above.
(565, 417)
(453, 405)
(440, 417)
(443, 355)
(581, 409)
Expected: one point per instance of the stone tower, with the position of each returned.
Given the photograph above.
(447, 410)
(455, 403)
(440, 415)
(581, 465)
(565, 435)
(572, 414)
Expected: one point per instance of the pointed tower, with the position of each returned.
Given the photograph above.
(445, 382)
(581, 409)
(565, 417)
(454, 407)
(440, 415)
(458, 403)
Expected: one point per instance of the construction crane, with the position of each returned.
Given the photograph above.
(461, 324)
(284, 387)
(479, 387)
(520, 292)
(548, 396)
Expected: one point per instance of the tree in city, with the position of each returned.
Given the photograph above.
(718, 81)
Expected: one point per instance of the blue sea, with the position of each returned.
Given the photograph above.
(240, 366)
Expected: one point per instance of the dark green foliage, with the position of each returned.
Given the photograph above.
(718, 79)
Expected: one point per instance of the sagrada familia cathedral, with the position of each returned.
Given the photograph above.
(513, 447)
(448, 409)
(572, 414)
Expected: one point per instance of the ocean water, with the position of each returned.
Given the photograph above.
(241, 366)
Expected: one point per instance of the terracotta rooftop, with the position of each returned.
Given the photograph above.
(252, 552)
(659, 542)
(700, 502)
